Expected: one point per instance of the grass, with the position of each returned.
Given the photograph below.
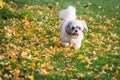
(30, 47)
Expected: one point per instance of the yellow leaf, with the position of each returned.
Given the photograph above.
(52, 19)
(95, 36)
(116, 72)
(100, 47)
(80, 56)
(105, 67)
(97, 76)
(63, 74)
(46, 65)
(47, 8)
(87, 66)
(87, 50)
(70, 69)
(70, 74)
(108, 48)
(32, 65)
(44, 73)
(70, 54)
(0, 73)
(1, 3)
(16, 73)
(8, 35)
(90, 73)
(24, 54)
(101, 54)
(86, 59)
(31, 77)
(101, 27)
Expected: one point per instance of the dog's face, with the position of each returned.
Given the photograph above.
(76, 27)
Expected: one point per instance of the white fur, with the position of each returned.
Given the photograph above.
(68, 15)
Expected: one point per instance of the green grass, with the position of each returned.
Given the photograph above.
(30, 47)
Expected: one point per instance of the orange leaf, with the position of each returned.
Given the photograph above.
(25, 19)
(105, 67)
(24, 54)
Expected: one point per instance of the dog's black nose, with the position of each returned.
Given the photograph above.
(76, 30)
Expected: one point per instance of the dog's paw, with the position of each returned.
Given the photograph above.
(65, 43)
(76, 46)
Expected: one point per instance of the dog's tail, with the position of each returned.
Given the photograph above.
(69, 13)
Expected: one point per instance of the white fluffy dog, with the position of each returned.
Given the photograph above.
(72, 30)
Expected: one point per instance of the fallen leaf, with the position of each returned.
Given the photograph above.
(8, 35)
(87, 60)
(80, 56)
(105, 67)
(95, 36)
(116, 71)
(1, 3)
(24, 54)
(90, 73)
(31, 77)
(99, 7)
(108, 48)
(70, 74)
(70, 69)
(32, 65)
(80, 75)
(87, 66)
(44, 72)
(0, 73)
(25, 19)
(97, 76)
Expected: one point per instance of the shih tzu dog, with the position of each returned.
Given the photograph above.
(72, 30)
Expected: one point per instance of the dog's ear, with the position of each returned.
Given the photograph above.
(68, 30)
(85, 29)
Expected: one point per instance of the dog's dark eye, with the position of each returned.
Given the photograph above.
(73, 28)
(78, 27)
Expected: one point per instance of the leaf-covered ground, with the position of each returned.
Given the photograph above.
(30, 45)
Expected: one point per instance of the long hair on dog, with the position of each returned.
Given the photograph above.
(72, 29)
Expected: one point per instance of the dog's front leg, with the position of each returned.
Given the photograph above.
(65, 43)
(77, 45)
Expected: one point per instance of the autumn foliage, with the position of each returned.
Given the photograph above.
(30, 45)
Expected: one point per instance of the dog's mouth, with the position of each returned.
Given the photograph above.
(73, 34)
